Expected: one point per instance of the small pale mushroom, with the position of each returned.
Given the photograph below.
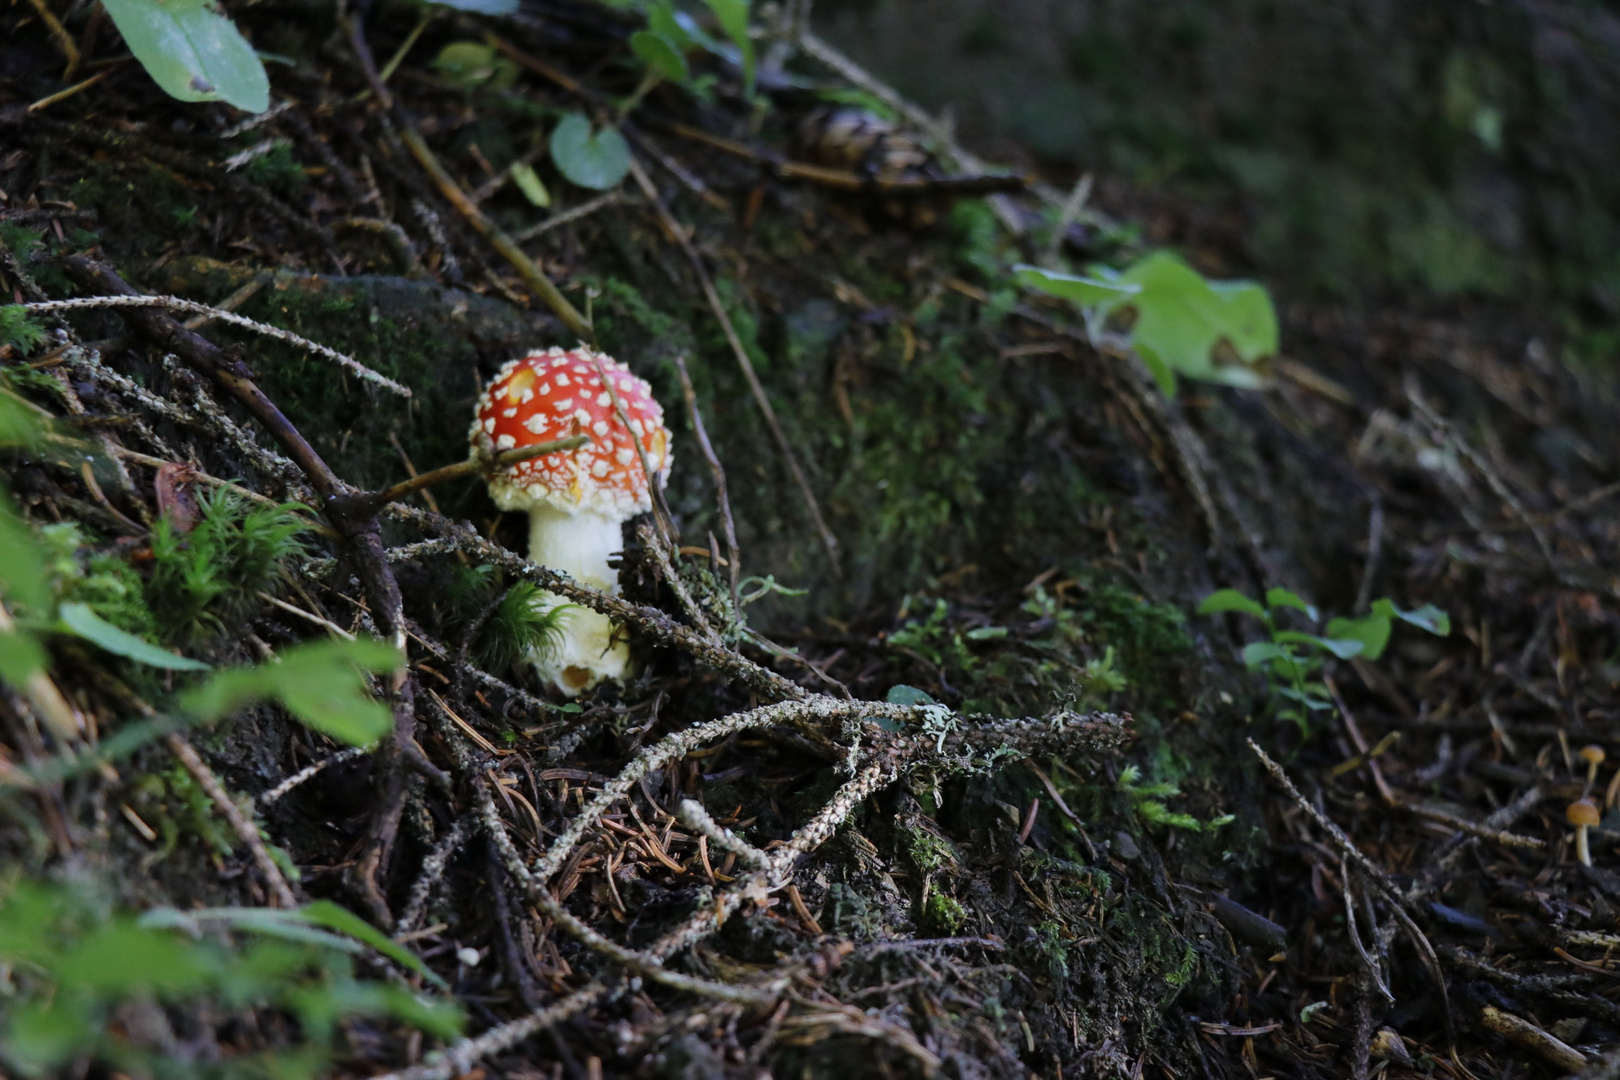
(1583, 814)
(1593, 755)
(576, 500)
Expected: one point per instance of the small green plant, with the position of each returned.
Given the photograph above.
(521, 625)
(1179, 322)
(1292, 660)
(1148, 799)
(17, 331)
(213, 575)
(96, 987)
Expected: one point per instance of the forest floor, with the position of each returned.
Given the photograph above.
(1102, 851)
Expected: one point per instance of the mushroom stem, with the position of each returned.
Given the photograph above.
(586, 650)
(1582, 851)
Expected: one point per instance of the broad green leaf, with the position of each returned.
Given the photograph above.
(441, 1019)
(326, 913)
(121, 957)
(592, 159)
(986, 633)
(1276, 598)
(1343, 648)
(901, 694)
(40, 1035)
(78, 619)
(19, 424)
(1085, 291)
(733, 16)
(20, 657)
(664, 21)
(1371, 630)
(472, 64)
(1230, 600)
(1182, 318)
(320, 684)
(482, 7)
(660, 55)
(22, 563)
(528, 182)
(1428, 617)
(1163, 377)
(192, 51)
(1259, 652)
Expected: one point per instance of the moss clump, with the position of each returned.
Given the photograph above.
(944, 914)
(212, 576)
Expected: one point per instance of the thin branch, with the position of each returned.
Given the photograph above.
(174, 303)
(245, 830)
(475, 465)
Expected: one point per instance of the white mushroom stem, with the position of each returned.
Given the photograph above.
(1583, 850)
(579, 544)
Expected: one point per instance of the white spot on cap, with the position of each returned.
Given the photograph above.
(582, 416)
(489, 426)
(536, 424)
(528, 396)
(545, 389)
(562, 405)
(562, 378)
(624, 455)
(508, 412)
(604, 399)
(504, 442)
(600, 468)
(635, 426)
(600, 427)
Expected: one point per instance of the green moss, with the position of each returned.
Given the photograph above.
(944, 914)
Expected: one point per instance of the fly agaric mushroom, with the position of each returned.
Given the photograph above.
(576, 499)
(1583, 814)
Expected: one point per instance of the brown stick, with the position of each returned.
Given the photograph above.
(245, 830)
(473, 466)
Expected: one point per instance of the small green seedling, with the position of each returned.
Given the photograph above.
(1148, 799)
(1292, 660)
(1180, 322)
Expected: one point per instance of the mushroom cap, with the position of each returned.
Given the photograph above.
(1583, 812)
(1592, 754)
(557, 393)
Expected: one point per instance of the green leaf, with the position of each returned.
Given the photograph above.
(1258, 652)
(326, 913)
(271, 922)
(1428, 617)
(592, 159)
(319, 683)
(43, 1034)
(1182, 318)
(122, 957)
(472, 64)
(1162, 375)
(528, 182)
(192, 51)
(660, 55)
(1277, 598)
(79, 620)
(20, 657)
(901, 694)
(986, 633)
(1371, 630)
(733, 16)
(1085, 291)
(1230, 600)
(22, 563)
(1343, 648)
(19, 424)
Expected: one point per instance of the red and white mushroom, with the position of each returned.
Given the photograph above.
(577, 499)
